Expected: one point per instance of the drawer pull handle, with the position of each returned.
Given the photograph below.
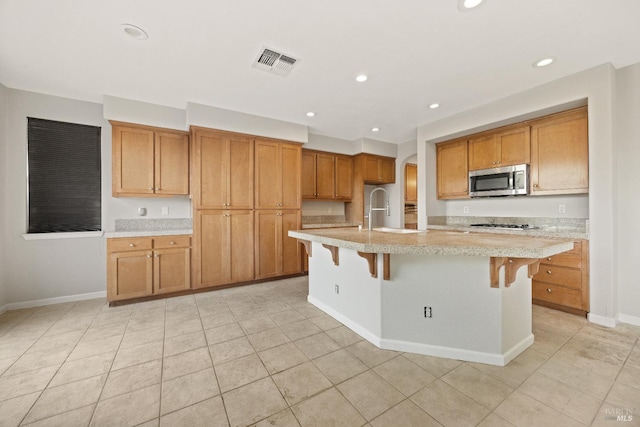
(548, 271)
(131, 245)
(548, 290)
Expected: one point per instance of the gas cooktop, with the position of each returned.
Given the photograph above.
(507, 226)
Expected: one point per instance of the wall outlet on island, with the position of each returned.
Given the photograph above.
(427, 312)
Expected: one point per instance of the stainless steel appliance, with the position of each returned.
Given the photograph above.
(506, 226)
(504, 181)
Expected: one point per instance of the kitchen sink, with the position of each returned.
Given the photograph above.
(395, 230)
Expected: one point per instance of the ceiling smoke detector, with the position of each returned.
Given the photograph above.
(274, 62)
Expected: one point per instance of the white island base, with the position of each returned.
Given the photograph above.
(470, 320)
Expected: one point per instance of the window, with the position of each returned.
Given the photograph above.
(64, 177)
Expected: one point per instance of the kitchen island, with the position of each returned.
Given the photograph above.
(449, 294)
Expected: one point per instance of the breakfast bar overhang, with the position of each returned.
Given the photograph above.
(457, 295)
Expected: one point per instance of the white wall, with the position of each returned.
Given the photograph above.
(626, 191)
(575, 206)
(597, 87)
(42, 269)
(4, 207)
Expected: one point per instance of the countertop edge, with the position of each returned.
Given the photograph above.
(538, 232)
(146, 233)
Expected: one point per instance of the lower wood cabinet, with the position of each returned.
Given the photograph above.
(223, 247)
(562, 281)
(276, 254)
(144, 266)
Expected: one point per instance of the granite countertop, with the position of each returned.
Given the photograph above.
(150, 227)
(438, 242)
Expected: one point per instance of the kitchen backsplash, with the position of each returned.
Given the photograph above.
(153, 224)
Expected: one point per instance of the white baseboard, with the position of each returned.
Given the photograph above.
(426, 349)
(609, 322)
(626, 318)
(49, 301)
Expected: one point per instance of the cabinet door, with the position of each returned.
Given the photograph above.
(212, 258)
(171, 270)
(370, 169)
(290, 156)
(452, 170)
(483, 153)
(325, 176)
(514, 146)
(171, 163)
(344, 177)
(560, 154)
(210, 166)
(241, 250)
(240, 174)
(289, 247)
(130, 275)
(387, 171)
(266, 243)
(411, 182)
(308, 173)
(132, 161)
(268, 176)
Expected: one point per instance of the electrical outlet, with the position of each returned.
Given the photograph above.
(165, 210)
(465, 209)
(428, 313)
(562, 209)
(337, 289)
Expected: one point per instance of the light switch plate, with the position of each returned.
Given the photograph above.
(165, 210)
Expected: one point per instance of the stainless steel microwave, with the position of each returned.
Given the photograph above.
(504, 181)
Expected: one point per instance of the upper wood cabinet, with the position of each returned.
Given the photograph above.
(560, 154)
(277, 175)
(377, 169)
(222, 170)
(452, 175)
(410, 183)
(149, 162)
(326, 176)
(511, 146)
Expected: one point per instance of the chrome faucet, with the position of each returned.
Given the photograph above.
(371, 208)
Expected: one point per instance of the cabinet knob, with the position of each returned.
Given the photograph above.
(157, 256)
(172, 243)
(535, 185)
(151, 188)
(548, 290)
(549, 259)
(148, 256)
(157, 189)
(548, 271)
(131, 245)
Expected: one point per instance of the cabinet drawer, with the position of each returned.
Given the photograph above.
(129, 244)
(564, 259)
(562, 276)
(557, 295)
(171, 241)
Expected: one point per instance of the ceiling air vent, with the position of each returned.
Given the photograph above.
(274, 62)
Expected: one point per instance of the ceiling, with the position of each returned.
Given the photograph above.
(415, 52)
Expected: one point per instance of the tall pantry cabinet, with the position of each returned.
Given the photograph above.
(246, 197)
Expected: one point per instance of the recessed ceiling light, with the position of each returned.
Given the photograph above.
(434, 105)
(311, 114)
(135, 32)
(361, 78)
(468, 4)
(543, 62)
(375, 129)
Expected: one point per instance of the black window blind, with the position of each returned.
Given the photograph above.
(64, 177)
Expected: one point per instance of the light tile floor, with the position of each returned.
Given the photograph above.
(261, 354)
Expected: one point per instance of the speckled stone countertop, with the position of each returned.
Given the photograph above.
(438, 242)
(569, 228)
(326, 221)
(151, 227)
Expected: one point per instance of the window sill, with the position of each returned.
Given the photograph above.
(52, 236)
